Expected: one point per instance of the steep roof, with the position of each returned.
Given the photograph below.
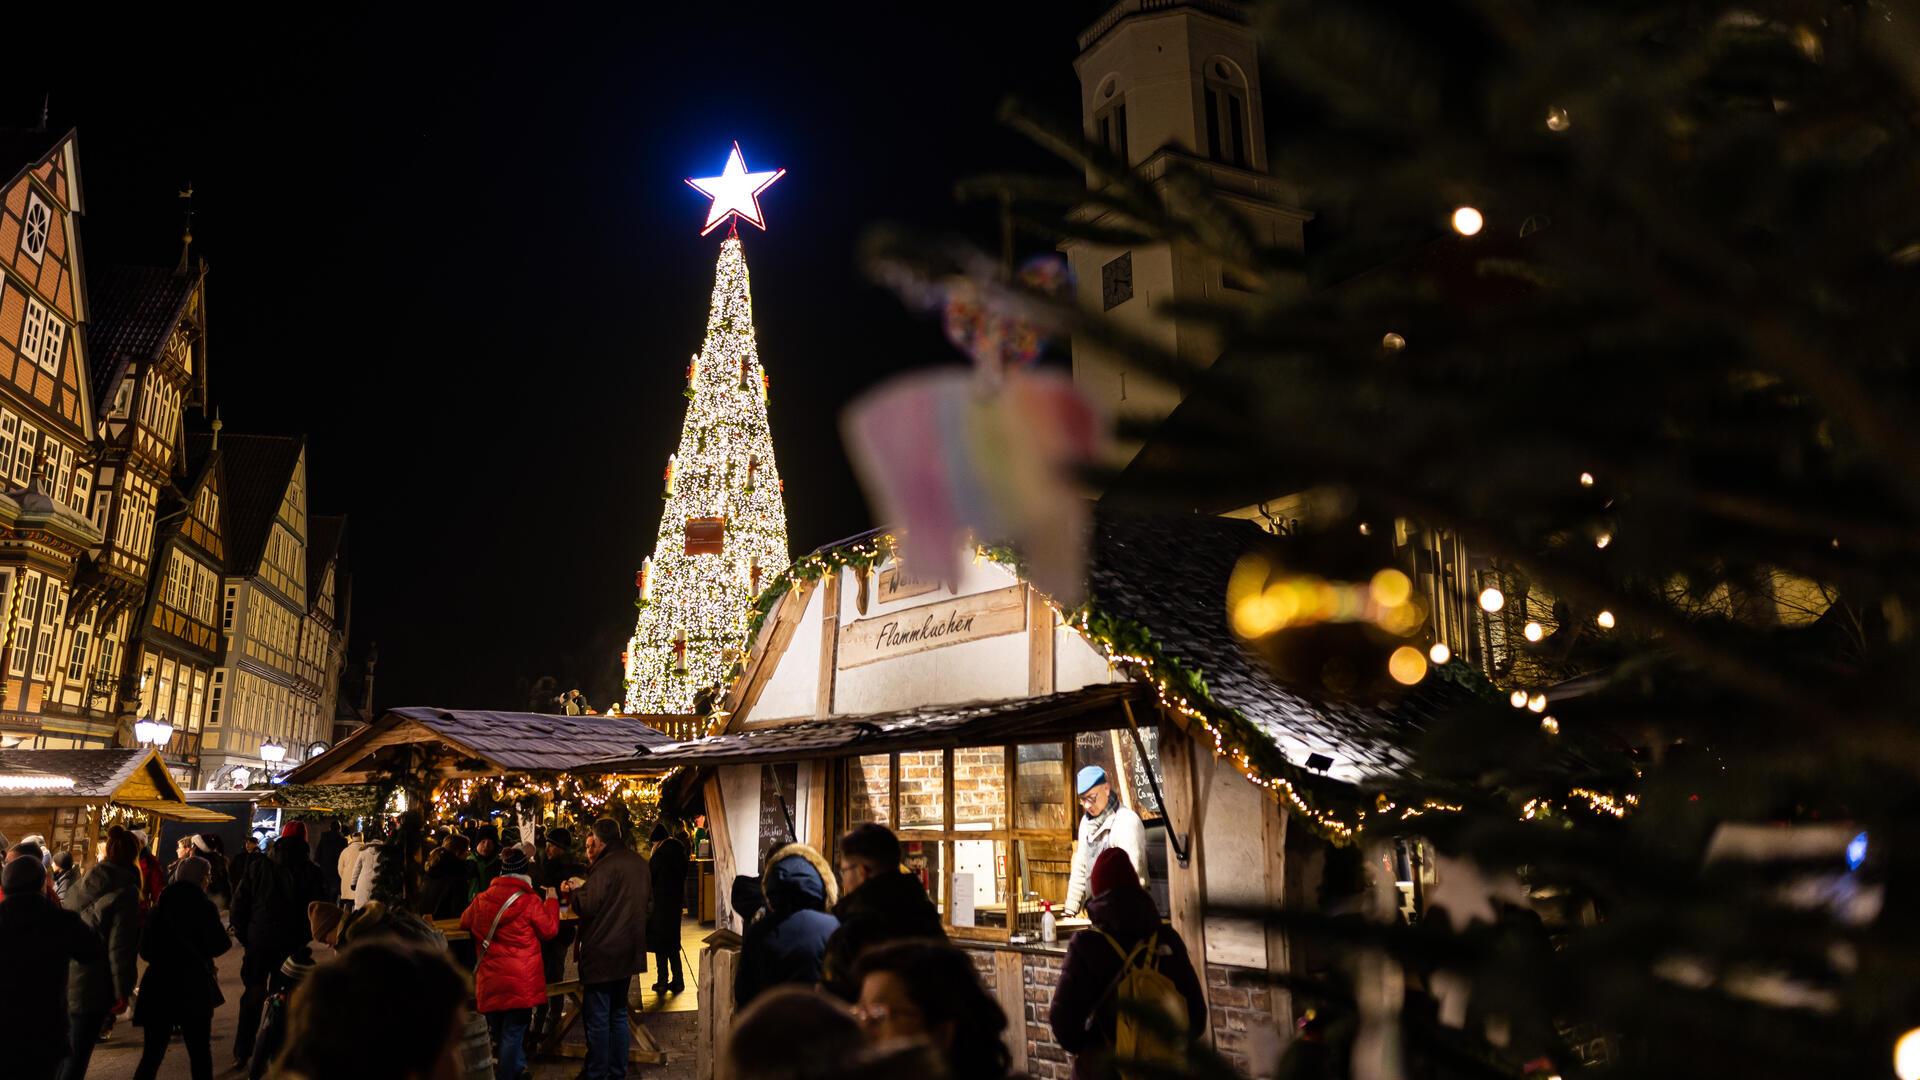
(325, 533)
(256, 470)
(476, 743)
(134, 309)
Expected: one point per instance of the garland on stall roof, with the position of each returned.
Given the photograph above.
(1333, 811)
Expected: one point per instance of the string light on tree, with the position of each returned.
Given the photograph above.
(1492, 600)
(1537, 703)
(1393, 342)
(1440, 653)
(1906, 1056)
(1586, 479)
(1533, 631)
(723, 528)
(1558, 119)
(1604, 620)
(1467, 221)
(1518, 699)
(1549, 725)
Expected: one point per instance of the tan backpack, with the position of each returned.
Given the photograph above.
(1142, 988)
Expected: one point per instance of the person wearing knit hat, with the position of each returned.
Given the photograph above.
(183, 935)
(297, 829)
(509, 920)
(1105, 822)
(39, 940)
(1084, 1014)
(325, 919)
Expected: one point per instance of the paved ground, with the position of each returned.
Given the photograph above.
(116, 1058)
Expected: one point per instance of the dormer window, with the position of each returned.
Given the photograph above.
(1226, 94)
(42, 336)
(35, 224)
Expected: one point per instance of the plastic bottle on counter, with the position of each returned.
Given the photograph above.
(1047, 935)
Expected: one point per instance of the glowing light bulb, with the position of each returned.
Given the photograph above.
(1390, 588)
(1549, 725)
(1558, 120)
(1518, 698)
(1365, 529)
(1534, 631)
(1467, 221)
(1393, 342)
(1906, 1056)
(1586, 479)
(1537, 703)
(1492, 600)
(1440, 653)
(1603, 540)
(1406, 665)
(1605, 620)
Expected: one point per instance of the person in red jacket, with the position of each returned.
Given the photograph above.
(508, 921)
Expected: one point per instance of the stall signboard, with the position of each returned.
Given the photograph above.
(932, 626)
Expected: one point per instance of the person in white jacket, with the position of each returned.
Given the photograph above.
(358, 885)
(1104, 823)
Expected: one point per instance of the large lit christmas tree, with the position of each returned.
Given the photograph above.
(723, 531)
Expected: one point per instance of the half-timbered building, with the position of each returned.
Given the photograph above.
(323, 635)
(265, 690)
(46, 431)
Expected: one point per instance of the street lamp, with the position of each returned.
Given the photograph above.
(151, 732)
(272, 753)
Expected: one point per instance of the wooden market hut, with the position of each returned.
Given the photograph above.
(458, 743)
(958, 715)
(64, 795)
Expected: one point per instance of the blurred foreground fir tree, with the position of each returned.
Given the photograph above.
(1626, 296)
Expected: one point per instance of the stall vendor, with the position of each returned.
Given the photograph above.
(1104, 823)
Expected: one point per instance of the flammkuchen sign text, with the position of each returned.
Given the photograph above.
(930, 626)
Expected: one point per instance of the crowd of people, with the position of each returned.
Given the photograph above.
(844, 969)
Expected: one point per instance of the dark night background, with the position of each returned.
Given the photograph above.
(458, 255)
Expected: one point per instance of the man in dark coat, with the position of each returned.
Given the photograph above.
(668, 862)
(39, 939)
(270, 919)
(108, 902)
(879, 903)
(326, 855)
(613, 944)
(1084, 1016)
(787, 944)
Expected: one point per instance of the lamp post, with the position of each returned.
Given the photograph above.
(151, 732)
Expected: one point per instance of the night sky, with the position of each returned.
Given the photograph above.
(459, 256)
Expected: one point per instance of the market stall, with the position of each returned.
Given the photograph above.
(959, 715)
(71, 796)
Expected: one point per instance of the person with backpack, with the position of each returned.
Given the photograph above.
(508, 921)
(1128, 957)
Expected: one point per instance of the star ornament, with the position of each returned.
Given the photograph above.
(735, 192)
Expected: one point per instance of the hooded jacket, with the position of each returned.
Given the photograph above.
(108, 902)
(789, 942)
(182, 937)
(40, 940)
(509, 974)
(270, 903)
(1083, 1017)
(886, 907)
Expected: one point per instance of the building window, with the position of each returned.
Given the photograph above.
(161, 708)
(51, 607)
(35, 225)
(1226, 117)
(42, 335)
(82, 486)
(1110, 130)
(198, 701)
(23, 456)
(77, 655)
(995, 821)
(214, 700)
(29, 614)
(1116, 281)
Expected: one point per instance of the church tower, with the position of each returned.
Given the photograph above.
(1166, 81)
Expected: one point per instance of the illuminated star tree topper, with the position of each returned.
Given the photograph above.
(735, 192)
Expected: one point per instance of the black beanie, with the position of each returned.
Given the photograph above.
(23, 875)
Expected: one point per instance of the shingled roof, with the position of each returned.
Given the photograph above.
(493, 742)
(1169, 574)
(256, 470)
(927, 728)
(134, 308)
(95, 773)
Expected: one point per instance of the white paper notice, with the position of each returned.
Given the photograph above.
(963, 899)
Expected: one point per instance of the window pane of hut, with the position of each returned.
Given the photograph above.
(923, 860)
(868, 796)
(923, 789)
(979, 788)
(1045, 867)
(1113, 751)
(978, 865)
(1040, 787)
